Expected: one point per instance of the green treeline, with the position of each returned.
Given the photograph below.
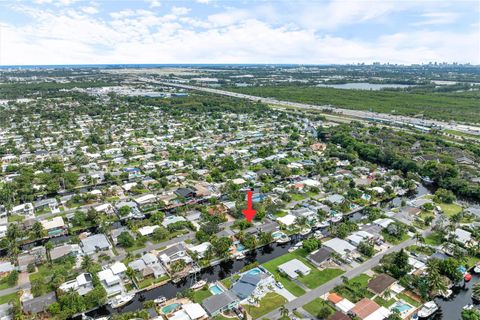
(460, 106)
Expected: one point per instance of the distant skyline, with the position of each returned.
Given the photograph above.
(49, 32)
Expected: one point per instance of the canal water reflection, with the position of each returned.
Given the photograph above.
(451, 309)
(210, 274)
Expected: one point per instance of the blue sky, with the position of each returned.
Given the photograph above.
(210, 31)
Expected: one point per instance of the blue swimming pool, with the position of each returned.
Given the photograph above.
(170, 308)
(277, 234)
(240, 247)
(401, 306)
(215, 289)
(254, 271)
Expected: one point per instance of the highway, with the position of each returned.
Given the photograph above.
(422, 124)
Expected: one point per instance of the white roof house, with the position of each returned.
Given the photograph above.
(379, 314)
(194, 311)
(52, 224)
(147, 230)
(462, 236)
(147, 198)
(385, 222)
(201, 248)
(311, 183)
(359, 236)
(172, 219)
(294, 268)
(108, 277)
(345, 305)
(287, 220)
(340, 246)
(118, 268)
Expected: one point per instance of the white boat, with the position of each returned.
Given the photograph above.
(198, 285)
(428, 309)
(337, 218)
(477, 267)
(240, 256)
(305, 231)
(160, 300)
(283, 239)
(447, 294)
(122, 300)
(195, 270)
(322, 224)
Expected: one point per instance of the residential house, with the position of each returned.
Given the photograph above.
(25, 209)
(216, 304)
(294, 268)
(381, 283)
(82, 284)
(174, 253)
(39, 304)
(95, 243)
(148, 265)
(321, 256)
(54, 226)
(340, 246)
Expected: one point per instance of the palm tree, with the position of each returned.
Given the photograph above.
(435, 280)
(419, 238)
(476, 291)
(284, 311)
(49, 247)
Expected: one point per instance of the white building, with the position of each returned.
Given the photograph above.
(294, 268)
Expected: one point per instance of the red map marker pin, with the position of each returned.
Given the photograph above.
(249, 213)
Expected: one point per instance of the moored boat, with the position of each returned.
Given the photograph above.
(428, 309)
(160, 300)
(198, 285)
(121, 300)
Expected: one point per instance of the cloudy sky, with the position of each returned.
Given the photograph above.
(237, 31)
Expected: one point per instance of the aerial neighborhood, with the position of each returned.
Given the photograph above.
(122, 198)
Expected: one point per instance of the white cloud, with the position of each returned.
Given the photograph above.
(432, 18)
(90, 10)
(232, 36)
(154, 3)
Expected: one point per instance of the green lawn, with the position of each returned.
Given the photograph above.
(150, 280)
(297, 197)
(393, 240)
(227, 282)
(361, 279)
(433, 239)
(280, 214)
(355, 289)
(272, 266)
(316, 305)
(450, 209)
(270, 302)
(14, 218)
(200, 295)
(7, 298)
(409, 300)
(316, 277)
(384, 303)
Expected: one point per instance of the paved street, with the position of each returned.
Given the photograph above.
(321, 290)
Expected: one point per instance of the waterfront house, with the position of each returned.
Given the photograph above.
(216, 304)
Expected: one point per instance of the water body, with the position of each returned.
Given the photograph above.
(451, 309)
(210, 274)
(363, 86)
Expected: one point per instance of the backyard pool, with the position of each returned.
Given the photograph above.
(240, 247)
(277, 234)
(170, 308)
(215, 289)
(401, 306)
(254, 271)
